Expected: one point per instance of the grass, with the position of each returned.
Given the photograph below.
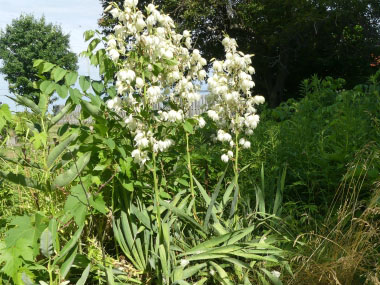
(345, 247)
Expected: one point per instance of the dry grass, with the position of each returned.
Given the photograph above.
(346, 250)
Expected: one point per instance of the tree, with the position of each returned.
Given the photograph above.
(25, 40)
(291, 39)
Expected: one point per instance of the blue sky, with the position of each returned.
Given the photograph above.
(74, 16)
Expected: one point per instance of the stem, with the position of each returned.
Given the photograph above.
(50, 272)
(156, 195)
(236, 170)
(188, 158)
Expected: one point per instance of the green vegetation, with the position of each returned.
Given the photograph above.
(135, 194)
(25, 40)
(291, 40)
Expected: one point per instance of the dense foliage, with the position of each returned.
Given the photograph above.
(25, 40)
(139, 190)
(292, 40)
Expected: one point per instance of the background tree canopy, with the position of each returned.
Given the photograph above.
(291, 39)
(27, 39)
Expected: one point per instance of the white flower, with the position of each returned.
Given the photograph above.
(151, 20)
(111, 43)
(130, 122)
(201, 122)
(223, 136)
(115, 12)
(251, 70)
(139, 82)
(139, 156)
(275, 273)
(140, 24)
(247, 144)
(259, 99)
(150, 8)
(213, 115)
(202, 74)
(168, 54)
(130, 3)
(153, 93)
(186, 33)
(188, 42)
(225, 158)
(174, 116)
(230, 154)
(184, 262)
(141, 140)
(126, 75)
(114, 103)
(114, 54)
(217, 66)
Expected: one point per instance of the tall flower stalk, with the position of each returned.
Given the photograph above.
(156, 67)
(233, 109)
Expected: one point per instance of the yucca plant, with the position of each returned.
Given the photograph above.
(215, 246)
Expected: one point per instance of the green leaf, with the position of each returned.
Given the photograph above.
(99, 204)
(58, 73)
(75, 95)
(66, 249)
(22, 100)
(62, 91)
(37, 62)
(47, 87)
(84, 276)
(93, 44)
(183, 215)
(76, 204)
(188, 127)
(46, 243)
(190, 271)
(60, 115)
(91, 109)
(59, 149)
(12, 256)
(65, 267)
(72, 173)
(97, 86)
(46, 66)
(110, 278)
(129, 186)
(213, 198)
(222, 274)
(88, 35)
(71, 78)
(43, 103)
(53, 228)
(84, 82)
(20, 180)
(228, 238)
(274, 279)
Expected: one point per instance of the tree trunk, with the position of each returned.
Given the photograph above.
(276, 90)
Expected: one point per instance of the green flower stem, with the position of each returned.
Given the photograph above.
(188, 158)
(156, 194)
(236, 170)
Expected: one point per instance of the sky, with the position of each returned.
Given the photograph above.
(74, 16)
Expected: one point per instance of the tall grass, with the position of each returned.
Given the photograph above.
(345, 248)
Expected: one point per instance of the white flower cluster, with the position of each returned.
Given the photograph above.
(155, 66)
(115, 104)
(233, 106)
